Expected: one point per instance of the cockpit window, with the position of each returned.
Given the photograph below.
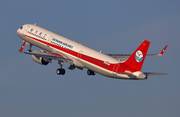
(21, 27)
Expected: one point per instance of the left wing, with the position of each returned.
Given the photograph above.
(50, 55)
(126, 56)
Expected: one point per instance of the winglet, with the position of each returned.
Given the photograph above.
(162, 52)
(22, 47)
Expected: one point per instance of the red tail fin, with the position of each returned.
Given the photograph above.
(136, 60)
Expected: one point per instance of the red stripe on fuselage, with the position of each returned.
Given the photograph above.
(89, 59)
(122, 67)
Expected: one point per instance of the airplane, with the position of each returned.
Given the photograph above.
(62, 49)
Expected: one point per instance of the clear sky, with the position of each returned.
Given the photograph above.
(28, 89)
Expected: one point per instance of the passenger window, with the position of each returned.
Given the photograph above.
(40, 33)
(44, 35)
(36, 32)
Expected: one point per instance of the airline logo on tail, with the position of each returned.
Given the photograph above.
(139, 56)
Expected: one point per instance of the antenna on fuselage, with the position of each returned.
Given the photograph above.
(35, 24)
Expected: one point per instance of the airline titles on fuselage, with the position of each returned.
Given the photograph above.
(53, 41)
(62, 44)
(35, 34)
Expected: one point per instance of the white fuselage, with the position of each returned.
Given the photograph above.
(81, 55)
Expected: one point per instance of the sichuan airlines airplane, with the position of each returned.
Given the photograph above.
(57, 47)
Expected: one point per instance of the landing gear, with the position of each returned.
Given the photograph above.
(89, 72)
(22, 47)
(60, 71)
(29, 50)
(30, 46)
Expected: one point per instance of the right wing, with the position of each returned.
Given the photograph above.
(126, 56)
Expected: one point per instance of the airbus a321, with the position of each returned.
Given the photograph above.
(57, 47)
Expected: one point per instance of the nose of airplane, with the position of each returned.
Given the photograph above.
(19, 30)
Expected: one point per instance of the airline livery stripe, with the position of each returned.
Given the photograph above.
(89, 59)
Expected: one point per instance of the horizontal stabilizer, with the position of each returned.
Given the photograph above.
(155, 74)
(159, 54)
(126, 56)
(162, 52)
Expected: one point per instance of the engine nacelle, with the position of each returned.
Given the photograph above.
(39, 60)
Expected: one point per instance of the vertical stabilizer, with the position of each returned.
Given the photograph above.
(136, 60)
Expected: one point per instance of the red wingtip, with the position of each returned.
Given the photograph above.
(162, 52)
(22, 47)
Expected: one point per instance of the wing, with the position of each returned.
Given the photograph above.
(51, 55)
(126, 56)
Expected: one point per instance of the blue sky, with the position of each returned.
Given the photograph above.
(29, 89)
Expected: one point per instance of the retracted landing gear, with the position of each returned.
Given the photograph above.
(89, 72)
(60, 71)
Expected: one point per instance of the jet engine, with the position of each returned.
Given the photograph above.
(40, 60)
